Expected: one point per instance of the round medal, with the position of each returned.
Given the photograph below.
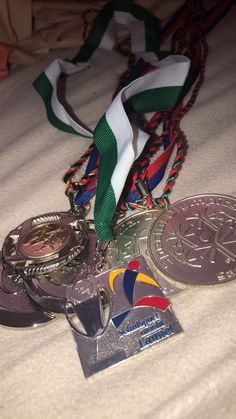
(16, 307)
(44, 243)
(194, 241)
(49, 290)
(131, 238)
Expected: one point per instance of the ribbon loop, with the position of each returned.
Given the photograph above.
(119, 140)
(144, 29)
(120, 143)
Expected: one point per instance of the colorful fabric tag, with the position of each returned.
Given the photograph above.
(118, 313)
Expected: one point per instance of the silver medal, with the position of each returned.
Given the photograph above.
(137, 315)
(16, 308)
(131, 240)
(194, 241)
(44, 243)
(49, 290)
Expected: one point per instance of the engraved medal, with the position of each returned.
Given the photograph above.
(131, 240)
(44, 243)
(136, 315)
(49, 290)
(194, 241)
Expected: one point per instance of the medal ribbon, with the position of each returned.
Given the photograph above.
(120, 142)
(144, 29)
(118, 139)
(191, 24)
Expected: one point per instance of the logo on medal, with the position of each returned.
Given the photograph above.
(139, 316)
(131, 276)
(44, 240)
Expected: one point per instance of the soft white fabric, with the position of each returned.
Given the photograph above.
(192, 375)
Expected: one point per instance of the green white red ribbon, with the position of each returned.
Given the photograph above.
(117, 138)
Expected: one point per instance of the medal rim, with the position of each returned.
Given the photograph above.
(19, 310)
(170, 288)
(31, 265)
(165, 272)
(51, 295)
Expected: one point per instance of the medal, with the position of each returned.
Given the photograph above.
(44, 243)
(16, 308)
(49, 290)
(194, 241)
(131, 240)
(137, 315)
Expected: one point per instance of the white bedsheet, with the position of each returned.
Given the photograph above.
(192, 375)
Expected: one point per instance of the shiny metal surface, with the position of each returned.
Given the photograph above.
(87, 306)
(49, 290)
(139, 315)
(194, 241)
(16, 308)
(132, 240)
(44, 240)
(44, 243)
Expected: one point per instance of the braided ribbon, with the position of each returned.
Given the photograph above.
(118, 139)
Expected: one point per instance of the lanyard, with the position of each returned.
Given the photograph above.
(197, 50)
(118, 139)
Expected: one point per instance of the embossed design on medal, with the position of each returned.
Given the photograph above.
(49, 289)
(136, 315)
(131, 240)
(194, 241)
(44, 243)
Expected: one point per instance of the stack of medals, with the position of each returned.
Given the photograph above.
(114, 293)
